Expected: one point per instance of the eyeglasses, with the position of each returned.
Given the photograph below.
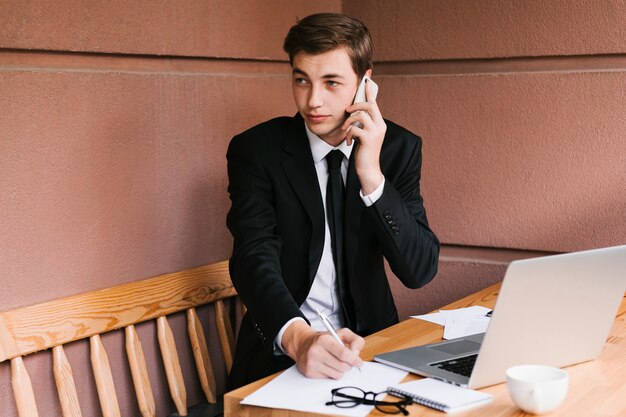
(348, 397)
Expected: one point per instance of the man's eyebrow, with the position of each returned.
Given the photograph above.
(325, 76)
(297, 70)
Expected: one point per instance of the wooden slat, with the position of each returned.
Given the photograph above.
(43, 326)
(65, 383)
(104, 379)
(172, 365)
(201, 355)
(7, 344)
(225, 331)
(22, 389)
(139, 371)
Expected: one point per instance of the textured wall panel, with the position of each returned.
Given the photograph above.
(462, 271)
(454, 280)
(209, 28)
(406, 30)
(531, 161)
(110, 177)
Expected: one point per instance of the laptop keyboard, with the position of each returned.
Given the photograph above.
(462, 366)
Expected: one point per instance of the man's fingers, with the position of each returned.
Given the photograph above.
(361, 117)
(326, 358)
(319, 370)
(371, 108)
(344, 358)
(360, 120)
(374, 112)
(354, 343)
(355, 132)
(364, 107)
(330, 372)
(348, 336)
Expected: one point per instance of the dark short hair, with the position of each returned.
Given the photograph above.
(323, 32)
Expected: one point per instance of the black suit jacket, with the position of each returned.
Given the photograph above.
(277, 221)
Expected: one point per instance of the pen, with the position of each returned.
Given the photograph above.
(329, 327)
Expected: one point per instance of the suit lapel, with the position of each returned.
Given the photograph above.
(300, 171)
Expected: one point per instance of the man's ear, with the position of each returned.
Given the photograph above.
(368, 73)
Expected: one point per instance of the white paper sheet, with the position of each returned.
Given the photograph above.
(293, 391)
(460, 322)
(436, 318)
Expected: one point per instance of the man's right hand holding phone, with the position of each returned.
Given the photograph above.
(371, 134)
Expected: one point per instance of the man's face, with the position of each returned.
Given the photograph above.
(323, 86)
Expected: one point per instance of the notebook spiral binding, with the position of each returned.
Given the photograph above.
(417, 399)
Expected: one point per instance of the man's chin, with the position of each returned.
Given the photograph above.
(329, 135)
(319, 130)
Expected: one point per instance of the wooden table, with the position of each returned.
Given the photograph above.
(597, 388)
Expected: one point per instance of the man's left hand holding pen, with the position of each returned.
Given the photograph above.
(319, 354)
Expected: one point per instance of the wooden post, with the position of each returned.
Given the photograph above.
(104, 379)
(225, 331)
(201, 355)
(139, 371)
(65, 383)
(22, 389)
(172, 365)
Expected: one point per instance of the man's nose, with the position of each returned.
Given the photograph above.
(316, 96)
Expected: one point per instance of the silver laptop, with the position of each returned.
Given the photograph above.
(554, 310)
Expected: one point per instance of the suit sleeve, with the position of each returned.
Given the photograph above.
(255, 264)
(399, 219)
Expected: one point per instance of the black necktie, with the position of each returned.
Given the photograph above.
(335, 195)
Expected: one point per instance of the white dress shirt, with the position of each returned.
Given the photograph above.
(323, 295)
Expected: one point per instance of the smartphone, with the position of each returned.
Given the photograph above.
(360, 94)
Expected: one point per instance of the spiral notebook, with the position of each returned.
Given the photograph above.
(441, 395)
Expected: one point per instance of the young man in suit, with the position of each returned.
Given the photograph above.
(304, 244)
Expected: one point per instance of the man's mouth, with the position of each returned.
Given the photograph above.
(316, 118)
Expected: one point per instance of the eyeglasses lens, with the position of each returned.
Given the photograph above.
(348, 397)
(389, 404)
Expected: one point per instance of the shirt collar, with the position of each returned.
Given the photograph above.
(320, 149)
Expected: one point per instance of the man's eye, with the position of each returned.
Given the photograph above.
(301, 81)
(333, 83)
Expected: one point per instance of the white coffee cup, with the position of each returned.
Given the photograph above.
(537, 389)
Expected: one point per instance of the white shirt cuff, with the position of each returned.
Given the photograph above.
(374, 195)
(278, 342)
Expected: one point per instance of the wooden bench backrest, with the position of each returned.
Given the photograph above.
(52, 324)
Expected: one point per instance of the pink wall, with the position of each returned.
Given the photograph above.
(422, 30)
(521, 107)
(114, 121)
(527, 161)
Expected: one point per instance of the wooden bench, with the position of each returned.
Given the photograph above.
(52, 324)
